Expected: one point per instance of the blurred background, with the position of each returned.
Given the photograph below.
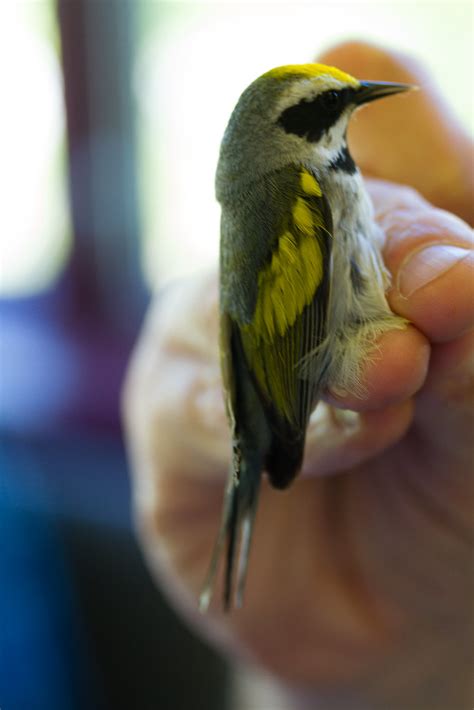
(111, 117)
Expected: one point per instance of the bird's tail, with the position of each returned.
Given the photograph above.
(240, 505)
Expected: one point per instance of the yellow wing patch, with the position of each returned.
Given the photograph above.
(285, 287)
(309, 184)
(302, 216)
(311, 71)
(272, 341)
(288, 283)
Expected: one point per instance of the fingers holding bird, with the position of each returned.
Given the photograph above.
(431, 259)
(395, 372)
(429, 254)
(339, 440)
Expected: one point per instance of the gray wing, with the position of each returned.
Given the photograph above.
(275, 278)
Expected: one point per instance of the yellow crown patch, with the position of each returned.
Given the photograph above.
(310, 71)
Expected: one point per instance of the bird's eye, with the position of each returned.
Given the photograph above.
(331, 100)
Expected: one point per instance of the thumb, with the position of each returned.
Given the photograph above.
(411, 139)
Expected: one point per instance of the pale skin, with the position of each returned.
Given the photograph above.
(359, 586)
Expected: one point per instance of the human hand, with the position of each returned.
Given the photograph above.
(359, 582)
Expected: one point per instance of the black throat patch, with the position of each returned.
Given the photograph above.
(344, 162)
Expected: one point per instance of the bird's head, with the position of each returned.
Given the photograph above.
(295, 113)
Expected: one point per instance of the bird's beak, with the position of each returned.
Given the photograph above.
(371, 90)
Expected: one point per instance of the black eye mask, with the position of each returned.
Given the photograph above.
(310, 119)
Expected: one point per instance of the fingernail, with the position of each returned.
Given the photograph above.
(426, 265)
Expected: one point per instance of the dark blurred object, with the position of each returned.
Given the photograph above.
(97, 40)
(81, 623)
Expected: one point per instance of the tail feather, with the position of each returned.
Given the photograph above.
(232, 539)
(240, 506)
(246, 539)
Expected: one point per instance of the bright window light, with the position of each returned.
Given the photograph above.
(34, 227)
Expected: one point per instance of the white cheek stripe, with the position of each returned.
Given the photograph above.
(328, 148)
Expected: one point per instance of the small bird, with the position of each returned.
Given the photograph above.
(302, 282)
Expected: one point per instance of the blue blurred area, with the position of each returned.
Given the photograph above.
(50, 479)
(42, 649)
(46, 662)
